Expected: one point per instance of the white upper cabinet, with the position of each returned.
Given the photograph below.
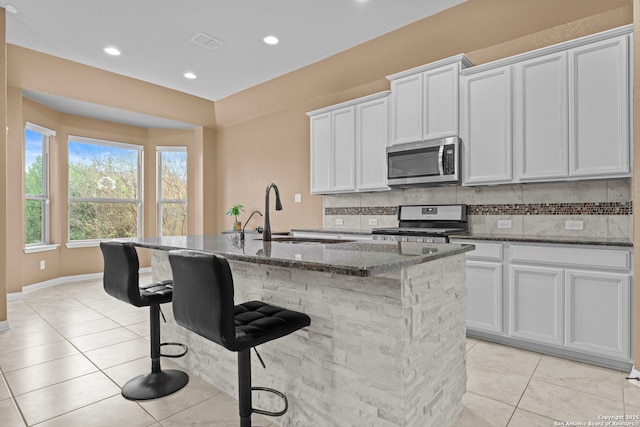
(486, 127)
(599, 98)
(570, 106)
(407, 109)
(344, 149)
(348, 146)
(321, 153)
(541, 118)
(372, 139)
(424, 101)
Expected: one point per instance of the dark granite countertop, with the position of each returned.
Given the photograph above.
(569, 240)
(330, 231)
(360, 259)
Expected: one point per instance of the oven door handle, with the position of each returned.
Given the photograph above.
(441, 160)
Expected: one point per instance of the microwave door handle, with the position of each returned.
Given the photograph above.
(440, 160)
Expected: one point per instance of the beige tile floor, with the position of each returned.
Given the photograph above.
(71, 347)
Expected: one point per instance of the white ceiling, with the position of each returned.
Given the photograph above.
(154, 35)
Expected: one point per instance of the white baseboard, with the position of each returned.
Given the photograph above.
(65, 279)
(4, 325)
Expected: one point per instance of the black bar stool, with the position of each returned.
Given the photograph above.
(121, 281)
(203, 303)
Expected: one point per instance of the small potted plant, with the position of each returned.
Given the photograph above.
(235, 211)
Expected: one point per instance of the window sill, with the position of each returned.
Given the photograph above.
(39, 248)
(83, 244)
(92, 243)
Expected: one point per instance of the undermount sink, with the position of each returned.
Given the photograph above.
(308, 240)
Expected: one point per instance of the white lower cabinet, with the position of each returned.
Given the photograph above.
(536, 304)
(484, 296)
(566, 300)
(598, 317)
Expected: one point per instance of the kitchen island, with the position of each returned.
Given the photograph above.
(386, 342)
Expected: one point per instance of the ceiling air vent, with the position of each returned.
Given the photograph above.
(207, 41)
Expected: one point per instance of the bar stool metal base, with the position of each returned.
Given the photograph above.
(155, 385)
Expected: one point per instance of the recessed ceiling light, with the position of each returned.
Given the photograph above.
(10, 8)
(112, 51)
(271, 40)
(190, 75)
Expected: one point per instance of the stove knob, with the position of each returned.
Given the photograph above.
(430, 240)
(405, 239)
(420, 240)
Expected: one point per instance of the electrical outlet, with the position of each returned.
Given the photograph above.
(297, 257)
(339, 221)
(504, 223)
(373, 221)
(574, 225)
(297, 198)
(42, 265)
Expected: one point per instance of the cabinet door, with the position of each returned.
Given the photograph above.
(484, 296)
(599, 109)
(598, 313)
(372, 138)
(344, 150)
(321, 152)
(441, 102)
(406, 109)
(541, 118)
(536, 297)
(486, 127)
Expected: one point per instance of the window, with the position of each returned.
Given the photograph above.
(36, 184)
(172, 191)
(105, 199)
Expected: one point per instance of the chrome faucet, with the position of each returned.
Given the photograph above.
(247, 222)
(266, 233)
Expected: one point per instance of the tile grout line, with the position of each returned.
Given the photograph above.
(517, 406)
(156, 421)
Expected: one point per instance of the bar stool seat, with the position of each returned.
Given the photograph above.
(203, 302)
(121, 281)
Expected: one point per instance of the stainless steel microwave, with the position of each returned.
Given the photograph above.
(424, 163)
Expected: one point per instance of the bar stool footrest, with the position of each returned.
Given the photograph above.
(270, 413)
(175, 356)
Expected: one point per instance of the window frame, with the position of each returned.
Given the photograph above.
(159, 150)
(45, 197)
(103, 142)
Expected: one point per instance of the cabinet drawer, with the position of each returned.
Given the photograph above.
(571, 256)
(491, 251)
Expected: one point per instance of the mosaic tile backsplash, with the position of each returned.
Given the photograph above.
(605, 207)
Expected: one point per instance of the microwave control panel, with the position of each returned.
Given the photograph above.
(449, 160)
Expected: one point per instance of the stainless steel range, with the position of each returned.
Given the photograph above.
(425, 223)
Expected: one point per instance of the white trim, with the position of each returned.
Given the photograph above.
(40, 129)
(4, 325)
(95, 141)
(61, 280)
(461, 58)
(83, 244)
(171, 148)
(349, 103)
(15, 296)
(39, 248)
(559, 47)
